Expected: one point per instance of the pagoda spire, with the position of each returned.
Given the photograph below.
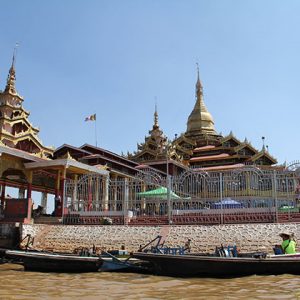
(11, 78)
(199, 87)
(200, 120)
(156, 125)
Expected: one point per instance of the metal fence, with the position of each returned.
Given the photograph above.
(248, 194)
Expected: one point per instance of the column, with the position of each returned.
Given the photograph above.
(57, 197)
(21, 193)
(96, 199)
(75, 200)
(114, 193)
(3, 196)
(90, 194)
(126, 198)
(221, 196)
(62, 202)
(105, 192)
(274, 194)
(44, 202)
(29, 200)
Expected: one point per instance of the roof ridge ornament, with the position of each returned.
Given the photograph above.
(67, 155)
(263, 149)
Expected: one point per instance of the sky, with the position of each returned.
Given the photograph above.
(117, 58)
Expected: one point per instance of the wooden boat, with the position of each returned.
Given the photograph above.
(2, 255)
(54, 262)
(212, 266)
(112, 263)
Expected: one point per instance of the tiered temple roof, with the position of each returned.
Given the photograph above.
(230, 151)
(200, 146)
(16, 131)
(157, 152)
(156, 146)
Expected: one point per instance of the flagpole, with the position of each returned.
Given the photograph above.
(96, 131)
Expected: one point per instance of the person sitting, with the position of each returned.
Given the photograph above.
(288, 244)
(187, 246)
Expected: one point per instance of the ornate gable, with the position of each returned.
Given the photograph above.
(230, 141)
(245, 149)
(263, 158)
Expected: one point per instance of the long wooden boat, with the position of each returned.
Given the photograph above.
(112, 263)
(54, 262)
(2, 256)
(211, 266)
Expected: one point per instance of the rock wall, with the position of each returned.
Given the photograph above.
(248, 237)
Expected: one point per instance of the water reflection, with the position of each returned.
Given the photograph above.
(17, 284)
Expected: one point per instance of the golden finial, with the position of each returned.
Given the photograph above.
(198, 84)
(155, 115)
(15, 54)
(11, 78)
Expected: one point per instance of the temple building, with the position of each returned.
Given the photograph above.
(28, 165)
(202, 147)
(118, 166)
(16, 131)
(157, 152)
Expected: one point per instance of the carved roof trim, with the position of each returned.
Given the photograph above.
(245, 145)
(262, 154)
(230, 137)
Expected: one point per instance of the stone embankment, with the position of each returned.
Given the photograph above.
(248, 237)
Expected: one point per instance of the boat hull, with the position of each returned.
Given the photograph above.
(44, 262)
(126, 266)
(204, 266)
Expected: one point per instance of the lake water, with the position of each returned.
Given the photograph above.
(17, 284)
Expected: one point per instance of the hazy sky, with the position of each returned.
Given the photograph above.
(114, 58)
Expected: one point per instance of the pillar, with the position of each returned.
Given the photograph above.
(274, 194)
(143, 200)
(3, 196)
(96, 189)
(114, 192)
(105, 192)
(21, 193)
(75, 200)
(126, 198)
(44, 202)
(90, 194)
(59, 192)
(29, 200)
(61, 203)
